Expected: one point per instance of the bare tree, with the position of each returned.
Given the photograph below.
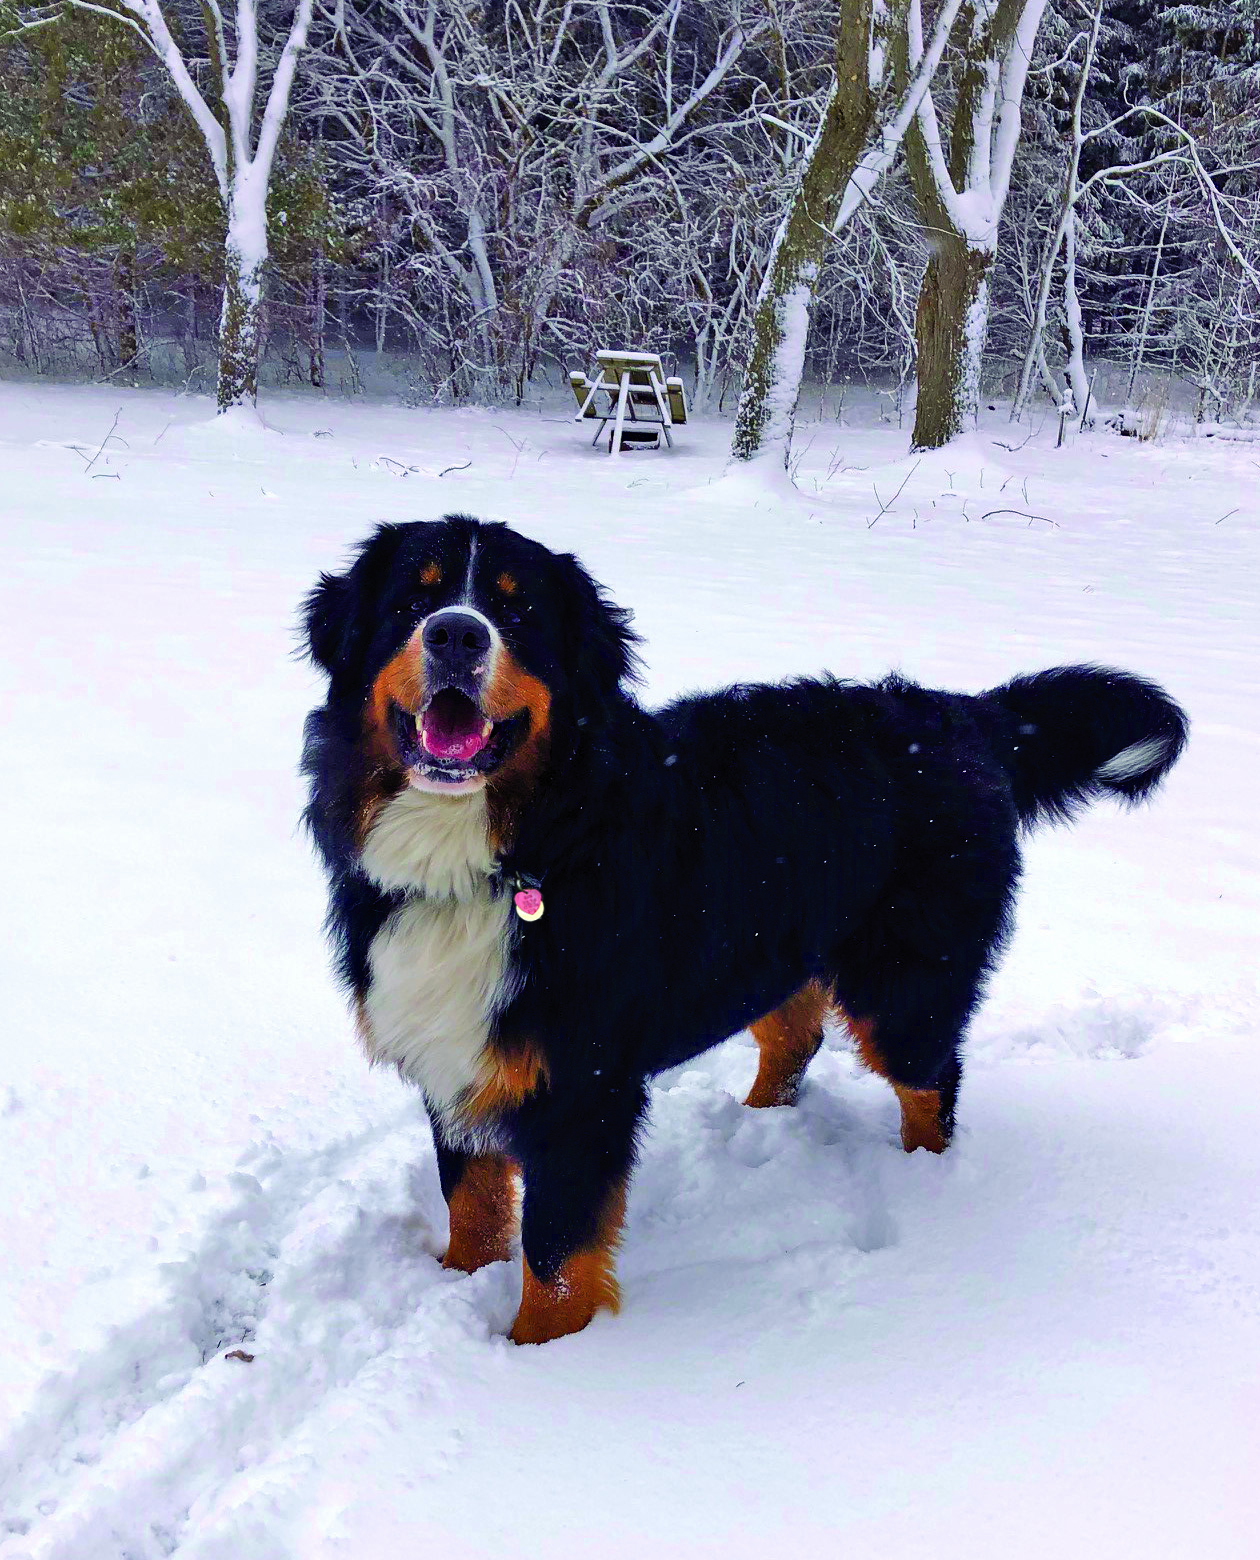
(511, 149)
(961, 190)
(862, 127)
(240, 143)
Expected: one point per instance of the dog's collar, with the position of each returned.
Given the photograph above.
(527, 899)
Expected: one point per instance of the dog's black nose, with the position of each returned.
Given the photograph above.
(458, 639)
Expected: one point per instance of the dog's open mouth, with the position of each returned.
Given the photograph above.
(452, 729)
(452, 741)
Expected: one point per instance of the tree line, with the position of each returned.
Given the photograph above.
(920, 194)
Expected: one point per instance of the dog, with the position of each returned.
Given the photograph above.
(542, 893)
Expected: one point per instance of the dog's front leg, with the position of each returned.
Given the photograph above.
(577, 1170)
(481, 1200)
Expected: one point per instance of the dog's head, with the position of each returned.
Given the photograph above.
(465, 655)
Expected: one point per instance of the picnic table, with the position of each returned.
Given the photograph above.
(634, 389)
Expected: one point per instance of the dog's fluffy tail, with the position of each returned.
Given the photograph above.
(1076, 733)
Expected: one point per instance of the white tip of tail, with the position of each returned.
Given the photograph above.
(1132, 762)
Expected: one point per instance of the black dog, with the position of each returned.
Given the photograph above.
(542, 894)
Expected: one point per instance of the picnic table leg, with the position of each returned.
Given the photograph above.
(623, 395)
(586, 404)
(662, 403)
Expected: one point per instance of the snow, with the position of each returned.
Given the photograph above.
(786, 366)
(1046, 1342)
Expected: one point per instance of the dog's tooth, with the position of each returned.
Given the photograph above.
(487, 728)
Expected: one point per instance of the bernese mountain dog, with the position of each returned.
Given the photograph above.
(541, 893)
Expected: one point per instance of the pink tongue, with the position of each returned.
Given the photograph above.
(452, 739)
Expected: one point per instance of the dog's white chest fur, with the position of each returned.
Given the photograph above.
(440, 963)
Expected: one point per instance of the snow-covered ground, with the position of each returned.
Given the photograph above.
(1046, 1343)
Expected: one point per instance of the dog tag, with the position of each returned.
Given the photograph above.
(529, 904)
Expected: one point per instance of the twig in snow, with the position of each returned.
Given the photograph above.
(445, 469)
(169, 422)
(517, 447)
(403, 470)
(105, 441)
(114, 476)
(1012, 447)
(1024, 512)
(1226, 516)
(796, 464)
(885, 507)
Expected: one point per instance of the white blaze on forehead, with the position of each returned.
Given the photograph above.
(465, 604)
(472, 562)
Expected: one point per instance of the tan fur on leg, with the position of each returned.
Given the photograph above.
(920, 1108)
(921, 1120)
(586, 1283)
(788, 1038)
(483, 1214)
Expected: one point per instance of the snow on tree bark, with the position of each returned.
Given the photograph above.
(242, 162)
(950, 326)
(772, 380)
(240, 328)
(861, 131)
(961, 191)
(1075, 324)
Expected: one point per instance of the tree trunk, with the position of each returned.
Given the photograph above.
(96, 325)
(772, 380)
(188, 339)
(318, 310)
(950, 326)
(1139, 350)
(240, 321)
(239, 332)
(128, 331)
(1074, 323)
(1035, 352)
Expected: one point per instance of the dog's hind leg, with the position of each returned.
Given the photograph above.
(788, 1040)
(927, 1114)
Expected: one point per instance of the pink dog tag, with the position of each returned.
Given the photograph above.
(529, 904)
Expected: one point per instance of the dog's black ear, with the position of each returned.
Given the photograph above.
(602, 642)
(340, 614)
(328, 617)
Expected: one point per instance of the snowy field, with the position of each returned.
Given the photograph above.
(1046, 1343)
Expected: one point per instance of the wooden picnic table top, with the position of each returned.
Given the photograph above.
(627, 362)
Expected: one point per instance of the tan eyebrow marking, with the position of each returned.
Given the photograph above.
(431, 574)
(507, 584)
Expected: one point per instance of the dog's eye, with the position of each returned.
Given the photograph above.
(418, 605)
(511, 617)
